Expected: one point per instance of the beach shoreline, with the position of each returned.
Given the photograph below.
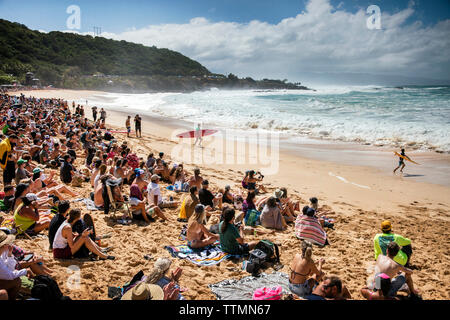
(360, 197)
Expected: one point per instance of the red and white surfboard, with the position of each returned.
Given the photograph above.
(193, 133)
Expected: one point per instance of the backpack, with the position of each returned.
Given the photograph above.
(270, 249)
(265, 252)
(252, 217)
(45, 288)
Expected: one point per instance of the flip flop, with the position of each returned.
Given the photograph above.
(87, 219)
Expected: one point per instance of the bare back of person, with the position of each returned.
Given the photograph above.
(387, 265)
(300, 269)
(195, 232)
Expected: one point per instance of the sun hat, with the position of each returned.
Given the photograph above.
(386, 226)
(154, 177)
(6, 238)
(21, 161)
(144, 291)
(163, 264)
(278, 193)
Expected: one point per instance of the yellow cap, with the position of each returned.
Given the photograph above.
(386, 225)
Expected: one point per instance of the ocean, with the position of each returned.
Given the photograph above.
(414, 117)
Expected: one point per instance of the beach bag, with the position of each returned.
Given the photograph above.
(252, 218)
(270, 249)
(182, 214)
(45, 288)
(268, 293)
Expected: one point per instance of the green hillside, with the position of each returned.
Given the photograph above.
(55, 55)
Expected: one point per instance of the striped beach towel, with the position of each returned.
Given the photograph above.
(309, 228)
(208, 256)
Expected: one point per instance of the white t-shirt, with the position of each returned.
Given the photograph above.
(153, 189)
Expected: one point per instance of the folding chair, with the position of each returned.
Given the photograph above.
(117, 205)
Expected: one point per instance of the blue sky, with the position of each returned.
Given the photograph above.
(297, 40)
(117, 16)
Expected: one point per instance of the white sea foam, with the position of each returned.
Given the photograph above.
(414, 117)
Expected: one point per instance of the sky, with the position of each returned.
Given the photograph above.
(301, 40)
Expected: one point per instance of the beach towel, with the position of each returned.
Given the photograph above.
(90, 205)
(208, 256)
(309, 228)
(243, 289)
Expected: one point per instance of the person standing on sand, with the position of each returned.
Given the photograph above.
(128, 125)
(401, 162)
(94, 113)
(103, 115)
(137, 125)
(198, 136)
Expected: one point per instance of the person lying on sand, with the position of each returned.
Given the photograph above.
(387, 265)
(197, 235)
(304, 272)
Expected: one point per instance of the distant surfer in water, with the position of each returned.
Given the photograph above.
(401, 162)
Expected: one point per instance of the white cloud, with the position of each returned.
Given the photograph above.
(320, 39)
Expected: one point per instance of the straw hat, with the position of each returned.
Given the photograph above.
(144, 291)
(6, 238)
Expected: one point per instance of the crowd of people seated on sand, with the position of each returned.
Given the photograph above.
(47, 151)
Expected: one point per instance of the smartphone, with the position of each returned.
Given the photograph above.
(28, 257)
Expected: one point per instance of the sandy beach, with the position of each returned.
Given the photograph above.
(359, 197)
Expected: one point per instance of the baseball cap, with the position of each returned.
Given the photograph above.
(37, 170)
(155, 176)
(21, 161)
(386, 225)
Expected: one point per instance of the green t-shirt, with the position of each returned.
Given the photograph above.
(228, 240)
(381, 242)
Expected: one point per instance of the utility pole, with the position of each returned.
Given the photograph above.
(97, 31)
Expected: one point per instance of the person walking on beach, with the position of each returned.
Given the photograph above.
(128, 125)
(137, 125)
(401, 162)
(198, 136)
